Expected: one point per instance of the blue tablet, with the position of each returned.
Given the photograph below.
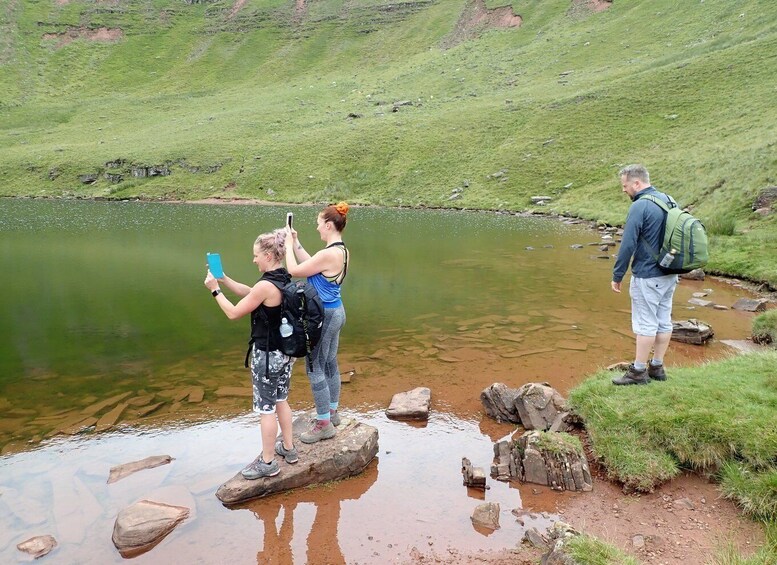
(214, 264)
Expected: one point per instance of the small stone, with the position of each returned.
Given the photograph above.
(638, 542)
(38, 546)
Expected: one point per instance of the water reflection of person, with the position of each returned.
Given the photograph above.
(270, 368)
(322, 545)
(326, 271)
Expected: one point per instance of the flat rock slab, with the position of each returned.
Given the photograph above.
(751, 304)
(142, 525)
(410, 405)
(38, 546)
(125, 470)
(742, 345)
(345, 455)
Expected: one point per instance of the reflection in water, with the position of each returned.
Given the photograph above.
(97, 375)
(321, 542)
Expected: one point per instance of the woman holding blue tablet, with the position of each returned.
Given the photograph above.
(270, 367)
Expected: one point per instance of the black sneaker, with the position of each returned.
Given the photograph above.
(633, 377)
(656, 372)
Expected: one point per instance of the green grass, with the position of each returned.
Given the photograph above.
(262, 101)
(592, 551)
(765, 327)
(702, 418)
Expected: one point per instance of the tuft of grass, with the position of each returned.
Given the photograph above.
(764, 327)
(755, 490)
(728, 554)
(721, 225)
(592, 551)
(645, 435)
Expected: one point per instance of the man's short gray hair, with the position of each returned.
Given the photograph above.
(635, 172)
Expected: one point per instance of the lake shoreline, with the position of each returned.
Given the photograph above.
(759, 287)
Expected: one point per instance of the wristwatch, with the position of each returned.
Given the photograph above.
(215, 292)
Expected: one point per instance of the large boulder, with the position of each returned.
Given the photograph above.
(553, 459)
(538, 405)
(410, 405)
(345, 455)
(499, 403)
(692, 331)
(141, 526)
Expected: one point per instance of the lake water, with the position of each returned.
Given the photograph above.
(113, 350)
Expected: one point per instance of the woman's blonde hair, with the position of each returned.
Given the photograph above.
(273, 242)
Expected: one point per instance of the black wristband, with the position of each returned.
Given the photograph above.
(215, 292)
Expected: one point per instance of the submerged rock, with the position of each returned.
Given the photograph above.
(751, 304)
(345, 455)
(120, 471)
(38, 546)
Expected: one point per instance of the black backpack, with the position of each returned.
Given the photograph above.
(303, 309)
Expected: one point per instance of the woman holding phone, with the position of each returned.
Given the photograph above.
(270, 368)
(325, 270)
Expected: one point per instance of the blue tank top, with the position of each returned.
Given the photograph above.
(327, 287)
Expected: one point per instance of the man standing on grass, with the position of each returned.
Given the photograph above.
(651, 289)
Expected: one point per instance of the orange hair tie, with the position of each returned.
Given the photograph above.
(342, 208)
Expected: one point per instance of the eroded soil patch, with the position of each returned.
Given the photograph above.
(476, 18)
(104, 34)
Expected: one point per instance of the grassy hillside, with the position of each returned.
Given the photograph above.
(254, 99)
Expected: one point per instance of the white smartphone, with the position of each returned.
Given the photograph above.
(289, 218)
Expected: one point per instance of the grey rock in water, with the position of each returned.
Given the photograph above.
(139, 527)
(553, 459)
(535, 538)
(345, 455)
(38, 546)
(692, 331)
(751, 304)
(120, 471)
(474, 477)
(410, 405)
(700, 302)
(499, 403)
(538, 404)
(695, 275)
(486, 515)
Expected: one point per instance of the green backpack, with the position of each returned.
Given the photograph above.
(685, 240)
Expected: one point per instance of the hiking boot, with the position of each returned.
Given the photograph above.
(656, 372)
(290, 455)
(258, 469)
(334, 417)
(633, 377)
(322, 429)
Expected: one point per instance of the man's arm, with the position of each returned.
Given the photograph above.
(629, 242)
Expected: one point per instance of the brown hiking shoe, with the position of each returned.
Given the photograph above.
(322, 429)
(633, 377)
(656, 372)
